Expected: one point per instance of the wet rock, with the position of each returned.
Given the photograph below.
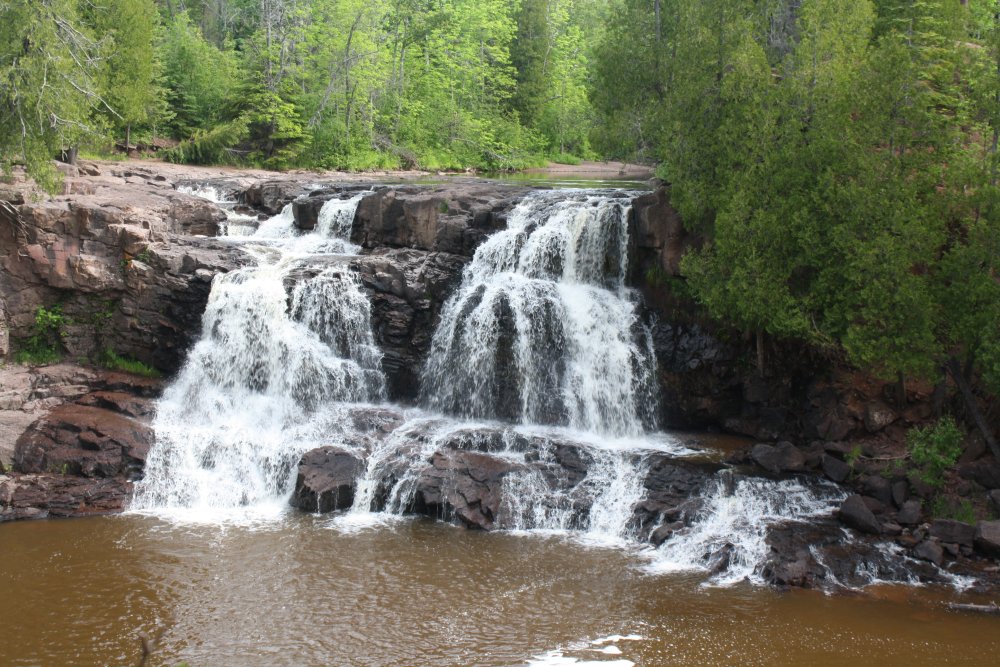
(835, 469)
(407, 290)
(929, 551)
(783, 457)
(957, 532)
(272, 195)
(856, 514)
(326, 480)
(463, 485)
(40, 496)
(987, 538)
(910, 513)
(664, 532)
(454, 218)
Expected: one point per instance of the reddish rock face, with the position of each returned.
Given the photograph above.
(84, 440)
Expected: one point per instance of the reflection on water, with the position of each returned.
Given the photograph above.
(306, 591)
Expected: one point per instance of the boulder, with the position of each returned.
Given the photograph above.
(877, 416)
(326, 480)
(835, 469)
(929, 551)
(910, 513)
(463, 485)
(985, 472)
(86, 441)
(855, 513)
(987, 538)
(783, 457)
(956, 532)
(994, 497)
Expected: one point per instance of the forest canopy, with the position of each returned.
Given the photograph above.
(839, 157)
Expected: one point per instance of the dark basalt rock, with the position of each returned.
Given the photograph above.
(407, 290)
(452, 218)
(855, 513)
(910, 513)
(783, 457)
(929, 551)
(464, 485)
(955, 532)
(52, 495)
(326, 480)
(835, 469)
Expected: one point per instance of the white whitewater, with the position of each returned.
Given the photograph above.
(729, 536)
(542, 329)
(254, 391)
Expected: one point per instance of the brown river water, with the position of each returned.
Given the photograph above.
(308, 590)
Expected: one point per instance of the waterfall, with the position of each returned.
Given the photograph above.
(254, 393)
(538, 394)
(542, 328)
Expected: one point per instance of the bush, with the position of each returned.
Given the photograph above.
(42, 346)
(935, 449)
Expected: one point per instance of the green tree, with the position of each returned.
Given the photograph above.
(48, 87)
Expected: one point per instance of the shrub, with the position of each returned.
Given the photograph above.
(935, 449)
(42, 346)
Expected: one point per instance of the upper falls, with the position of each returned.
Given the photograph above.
(542, 329)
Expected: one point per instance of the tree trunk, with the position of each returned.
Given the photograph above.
(128, 139)
(955, 369)
(760, 352)
(900, 390)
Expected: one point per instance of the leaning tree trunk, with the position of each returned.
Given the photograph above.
(955, 369)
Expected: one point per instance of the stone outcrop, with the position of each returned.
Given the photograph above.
(407, 289)
(123, 262)
(326, 480)
(87, 442)
(454, 218)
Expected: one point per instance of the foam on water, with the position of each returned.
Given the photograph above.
(729, 536)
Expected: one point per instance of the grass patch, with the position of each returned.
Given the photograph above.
(109, 359)
(566, 158)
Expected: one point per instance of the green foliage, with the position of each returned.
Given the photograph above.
(840, 158)
(213, 146)
(935, 449)
(43, 345)
(852, 456)
(942, 508)
(109, 359)
(48, 85)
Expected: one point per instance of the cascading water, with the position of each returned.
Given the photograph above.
(542, 329)
(542, 332)
(252, 394)
(729, 536)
